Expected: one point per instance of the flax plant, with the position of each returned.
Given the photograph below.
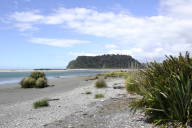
(166, 90)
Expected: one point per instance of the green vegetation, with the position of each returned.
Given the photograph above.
(35, 79)
(27, 82)
(97, 96)
(105, 61)
(130, 83)
(121, 73)
(88, 92)
(100, 83)
(41, 83)
(37, 75)
(41, 103)
(166, 91)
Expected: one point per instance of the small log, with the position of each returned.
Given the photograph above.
(53, 99)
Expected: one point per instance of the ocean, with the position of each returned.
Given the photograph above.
(15, 77)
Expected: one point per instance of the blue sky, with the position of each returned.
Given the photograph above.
(50, 33)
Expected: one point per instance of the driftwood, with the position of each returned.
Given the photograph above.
(53, 99)
(50, 85)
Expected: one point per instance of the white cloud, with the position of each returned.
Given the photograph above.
(58, 42)
(30, 16)
(110, 46)
(85, 54)
(150, 37)
(25, 26)
(177, 8)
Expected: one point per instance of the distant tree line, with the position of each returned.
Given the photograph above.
(105, 61)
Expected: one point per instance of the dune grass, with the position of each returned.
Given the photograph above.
(28, 82)
(121, 73)
(34, 80)
(41, 103)
(41, 82)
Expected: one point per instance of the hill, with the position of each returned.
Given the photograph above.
(104, 61)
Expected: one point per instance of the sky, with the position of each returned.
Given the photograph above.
(50, 33)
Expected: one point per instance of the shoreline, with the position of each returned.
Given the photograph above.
(14, 80)
(12, 93)
(11, 77)
(17, 80)
(17, 111)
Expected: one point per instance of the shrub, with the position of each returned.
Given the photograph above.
(166, 89)
(37, 75)
(100, 83)
(41, 83)
(97, 96)
(41, 103)
(27, 82)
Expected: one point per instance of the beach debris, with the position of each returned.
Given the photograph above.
(53, 99)
(118, 87)
(87, 92)
(115, 98)
(45, 125)
(78, 111)
(51, 85)
(92, 78)
(84, 114)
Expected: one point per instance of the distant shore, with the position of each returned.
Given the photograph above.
(46, 70)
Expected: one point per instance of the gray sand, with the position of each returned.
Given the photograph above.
(111, 113)
(13, 93)
(73, 109)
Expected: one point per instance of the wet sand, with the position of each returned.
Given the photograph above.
(13, 93)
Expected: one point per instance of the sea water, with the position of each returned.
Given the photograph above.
(15, 77)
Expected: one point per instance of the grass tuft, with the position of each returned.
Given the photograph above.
(130, 84)
(27, 82)
(97, 96)
(41, 103)
(35, 79)
(37, 75)
(41, 83)
(100, 83)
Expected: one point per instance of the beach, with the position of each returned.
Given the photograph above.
(72, 102)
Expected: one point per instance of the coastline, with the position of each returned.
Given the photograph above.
(16, 103)
(27, 70)
(15, 76)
